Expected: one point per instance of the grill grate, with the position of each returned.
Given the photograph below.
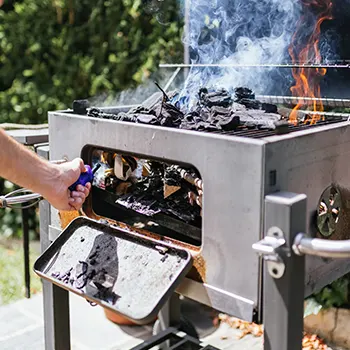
(257, 134)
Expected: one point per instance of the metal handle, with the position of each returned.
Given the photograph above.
(321, 247)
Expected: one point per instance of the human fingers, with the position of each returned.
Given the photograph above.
(78, 194)
(76, 202)
(84, 189)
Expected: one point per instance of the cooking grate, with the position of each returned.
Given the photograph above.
(257, 134)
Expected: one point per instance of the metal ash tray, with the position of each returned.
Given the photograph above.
(124, 272)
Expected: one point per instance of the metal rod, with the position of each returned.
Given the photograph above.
(326, 114)
(232, 65)
(25, 230)
(22, 199)
(171, 79)
(321, 247)
(330, 102)
(186, 34)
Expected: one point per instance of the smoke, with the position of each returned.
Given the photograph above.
(240, 32)
(136, 95)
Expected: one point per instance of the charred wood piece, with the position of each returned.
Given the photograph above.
(215, 98)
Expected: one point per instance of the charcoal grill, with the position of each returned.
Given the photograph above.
(262, 189)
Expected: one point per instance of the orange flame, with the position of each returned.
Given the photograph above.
(307, 79)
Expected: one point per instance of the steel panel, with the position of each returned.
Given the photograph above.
(307, 162)
(232, 171)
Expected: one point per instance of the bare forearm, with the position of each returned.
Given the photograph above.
(23, 167)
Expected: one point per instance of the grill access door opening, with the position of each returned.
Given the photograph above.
(152, 195)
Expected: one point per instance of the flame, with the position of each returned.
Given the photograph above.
(307, 79)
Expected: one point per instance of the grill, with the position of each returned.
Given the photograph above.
(238, 171)
(282, 192)
(248, 176)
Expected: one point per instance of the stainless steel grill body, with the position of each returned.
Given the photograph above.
(237, 173)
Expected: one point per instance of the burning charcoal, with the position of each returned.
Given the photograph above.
(147, 119)
(231, 123)
(243, 93)
(98, 113)
(80, 106)
(254, 104)
(282, 127)
(255, 118)
(215, 98)
(168, 115)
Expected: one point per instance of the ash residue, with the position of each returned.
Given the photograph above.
(97, 273)
(215, 110)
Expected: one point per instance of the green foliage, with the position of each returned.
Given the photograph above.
(335, 294)
(11, 267)
(55, 51)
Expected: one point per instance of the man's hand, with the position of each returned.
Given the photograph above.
(57, 192)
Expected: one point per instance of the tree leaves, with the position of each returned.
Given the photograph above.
(108, 47)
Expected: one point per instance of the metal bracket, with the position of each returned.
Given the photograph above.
(270, 249)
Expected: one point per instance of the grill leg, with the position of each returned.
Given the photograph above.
(56, 300)
(284, 297)
(25, 230)
(169, 316)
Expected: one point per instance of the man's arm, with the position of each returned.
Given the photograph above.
(23, 167)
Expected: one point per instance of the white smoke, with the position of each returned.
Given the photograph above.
(241, 32)
(134, 95)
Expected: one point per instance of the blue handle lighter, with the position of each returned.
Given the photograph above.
(85, 177)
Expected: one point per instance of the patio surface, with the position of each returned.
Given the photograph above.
(21, 327)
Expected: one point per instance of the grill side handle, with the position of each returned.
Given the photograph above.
(321, 247)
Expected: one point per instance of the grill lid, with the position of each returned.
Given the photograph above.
(128, 273)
